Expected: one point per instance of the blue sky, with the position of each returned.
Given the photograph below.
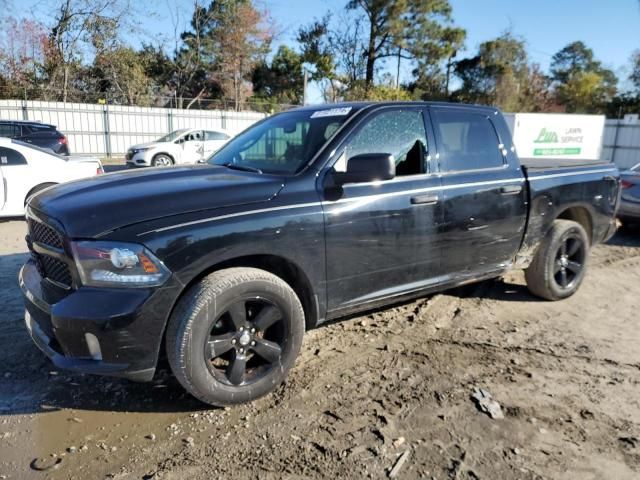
(611, 28)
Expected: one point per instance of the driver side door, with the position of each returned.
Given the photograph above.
(383, 238)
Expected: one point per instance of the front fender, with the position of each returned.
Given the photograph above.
(194, 244)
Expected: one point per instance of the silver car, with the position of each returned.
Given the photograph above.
(629, 210)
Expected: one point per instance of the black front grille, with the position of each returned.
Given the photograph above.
(56, 270)
(129, 155)
(48, 266)
(44, 234)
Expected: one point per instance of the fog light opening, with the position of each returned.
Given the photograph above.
(94, 346)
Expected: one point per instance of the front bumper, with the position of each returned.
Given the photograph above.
(101, 331)
(140, 159)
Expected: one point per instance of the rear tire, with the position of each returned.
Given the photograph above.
(559, 265)
(235, 335)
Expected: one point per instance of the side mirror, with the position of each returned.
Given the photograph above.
(368, 167)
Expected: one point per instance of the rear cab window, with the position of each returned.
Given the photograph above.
(466, 141)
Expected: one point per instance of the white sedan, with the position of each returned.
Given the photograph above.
(177, 147)
(25, 170)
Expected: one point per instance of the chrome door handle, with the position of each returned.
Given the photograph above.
(511, 190)
(477, 227)
(424, 200)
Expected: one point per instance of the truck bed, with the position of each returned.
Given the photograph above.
(536, 164)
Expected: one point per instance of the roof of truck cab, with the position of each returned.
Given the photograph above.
(364, 105)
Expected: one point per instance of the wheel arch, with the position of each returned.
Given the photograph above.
(580, 215)
(279, 266)
(38, 188)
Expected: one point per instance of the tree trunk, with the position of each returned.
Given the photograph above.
(197, 98)
(237, 82)
(65, 80)
(370, 68)
(371, 53)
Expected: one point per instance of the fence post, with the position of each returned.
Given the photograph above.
(107, 133)
(25, 111)
(170, 119)
(614, 148)
(223, 120)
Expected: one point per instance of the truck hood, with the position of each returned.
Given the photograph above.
(87, 208)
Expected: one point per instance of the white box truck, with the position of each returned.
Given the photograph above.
(557, 135)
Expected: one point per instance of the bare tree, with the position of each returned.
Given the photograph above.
(240, 38)
(77, 24)
(23, 45)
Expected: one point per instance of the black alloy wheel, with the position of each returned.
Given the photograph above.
(570, 259)
(234, 335)
(246, 341)
(560, 262)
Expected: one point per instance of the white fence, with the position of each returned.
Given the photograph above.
(109, 130)
(622, 143)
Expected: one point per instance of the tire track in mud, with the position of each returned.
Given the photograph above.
(549, 352)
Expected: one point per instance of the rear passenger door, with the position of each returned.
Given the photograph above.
(484, 195)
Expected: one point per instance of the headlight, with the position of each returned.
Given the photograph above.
(138, 150)
(113, 264)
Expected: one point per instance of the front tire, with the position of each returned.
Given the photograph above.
(559, 265)
(235, 335)
(162, 160)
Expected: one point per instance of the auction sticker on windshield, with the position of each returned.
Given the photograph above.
(332, 112)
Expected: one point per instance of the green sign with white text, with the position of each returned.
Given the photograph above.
(550, 136)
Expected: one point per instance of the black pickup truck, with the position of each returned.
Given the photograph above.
(309, 215)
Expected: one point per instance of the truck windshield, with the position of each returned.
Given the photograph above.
(284, 143)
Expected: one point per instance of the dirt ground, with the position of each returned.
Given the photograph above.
(363, 392)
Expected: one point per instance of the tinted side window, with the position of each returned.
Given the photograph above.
(37, 130)
(8, 156)
(467, 141)
(9, 130)
(215, 136)
(400, 133)
(42, 128)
